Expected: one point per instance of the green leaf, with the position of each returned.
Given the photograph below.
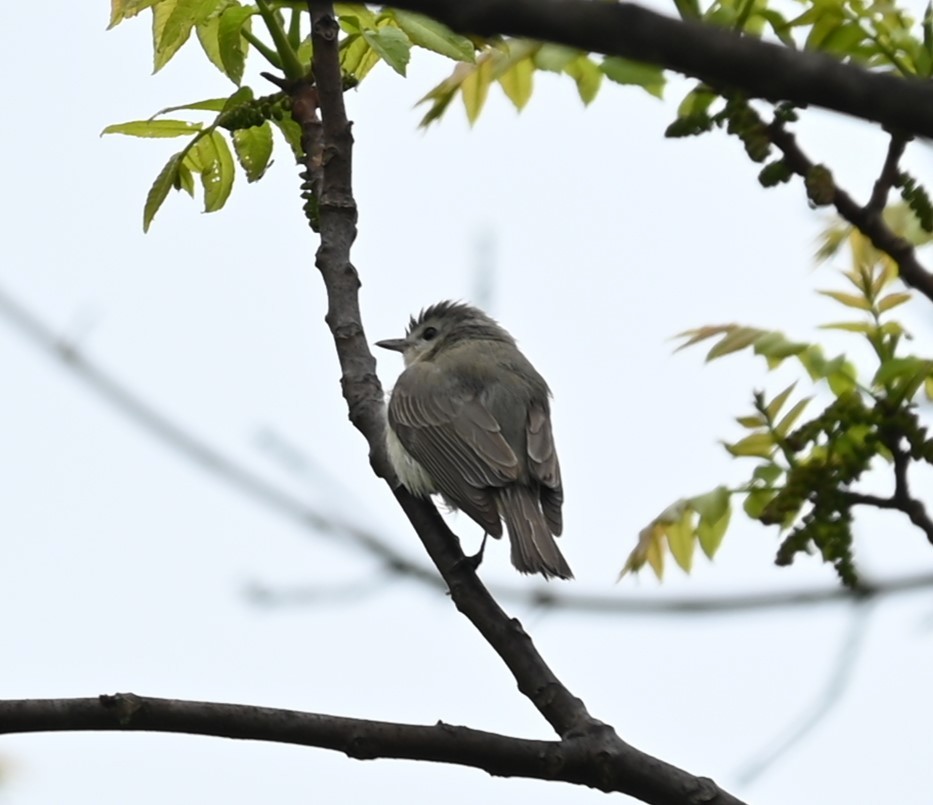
(759, 445)
(757, 500)
(253, 147)
(840, 375)
(432, 35)
(711, 506)
(392, 45)
(164, 182)
(738, 339)
(125, 9)
(753, 422)
(587, 75)
(774, 407)
(851, 326)
(357, 13)
(624, 71)
(209, 105)
(154, 128)
(711, 532)
(768, 473)
(357, 58)
(475, 89)
(518, 82)
(893, 300)
(184, 179)
(848, 299)
(230, 43)
(688, 9)
(217, 173)
(702, 333)
(681, 541)
(783, 427)
(291, 131)
(902, 368)
(172, 21)
(556, 58)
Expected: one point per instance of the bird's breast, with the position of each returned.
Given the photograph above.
(412, 475)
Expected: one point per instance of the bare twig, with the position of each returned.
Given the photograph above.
(887, 177)
(715, 55)
(866, 219)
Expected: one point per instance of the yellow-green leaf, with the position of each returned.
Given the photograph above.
(125, 9)
(851, 326)
(649, 77)
(712, 505)
(475, 88)
(738, 339)
(893, 300)
(753, 421)
(154, 128)
(680, 540)
(392, 45)
(164, 182)
(783, 427)
(760, 445)
(587, 75)
(253, 148)
(357, 57)
(217, 171)
(518, 82)
(433, 35)
(756, 501)
(848, 299)
(231, 45)
(555, 58)
(702, 333)
(710, 533)
(774, 407)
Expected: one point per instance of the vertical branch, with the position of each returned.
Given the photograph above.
(328, 144)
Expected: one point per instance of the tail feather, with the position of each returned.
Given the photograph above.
(533, 547)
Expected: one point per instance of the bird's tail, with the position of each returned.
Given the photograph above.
(533, 547)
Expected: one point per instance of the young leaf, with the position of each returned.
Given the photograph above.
(624, 71)
(759, 445)
(711, 532)
(291, 131)
(848, 299)
(757, 500)
(172, 21)
(680, 540)
(154, 128)
(125, 9)
(893, 300)
(253, 148)
(774, 407)
(712, 505)
(738, 339)
(164, 182)
(392, 45)
(475, 88)
(851, 326)
(217, 171)
(230, 43)
(555, 58)
(783, 427)
(752, 422)
(427, 33)
(518, 82)
(587, 75)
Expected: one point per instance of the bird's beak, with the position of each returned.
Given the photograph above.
(396, 344)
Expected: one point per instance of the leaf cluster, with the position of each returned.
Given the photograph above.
(806, 473)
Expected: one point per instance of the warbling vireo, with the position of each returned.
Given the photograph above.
(469, 418)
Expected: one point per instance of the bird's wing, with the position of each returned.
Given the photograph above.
(544, 466)
(450, 433)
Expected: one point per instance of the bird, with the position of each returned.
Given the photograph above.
(469, 419)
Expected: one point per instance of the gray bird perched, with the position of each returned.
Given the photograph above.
(469, 418)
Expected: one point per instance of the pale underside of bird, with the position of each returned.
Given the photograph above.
(469, 419)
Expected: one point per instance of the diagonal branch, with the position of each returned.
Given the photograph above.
(867, 219)
(717, 56)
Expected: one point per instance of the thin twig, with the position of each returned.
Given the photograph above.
(865, 219)
(887, 177)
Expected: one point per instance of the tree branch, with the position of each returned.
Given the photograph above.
(617, 765)
(867, 219)
(715, 55)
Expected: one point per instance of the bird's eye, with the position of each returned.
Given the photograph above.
(429, 333)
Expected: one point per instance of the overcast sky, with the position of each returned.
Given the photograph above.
(126, 567)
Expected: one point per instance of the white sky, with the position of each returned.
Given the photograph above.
(125, 567)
